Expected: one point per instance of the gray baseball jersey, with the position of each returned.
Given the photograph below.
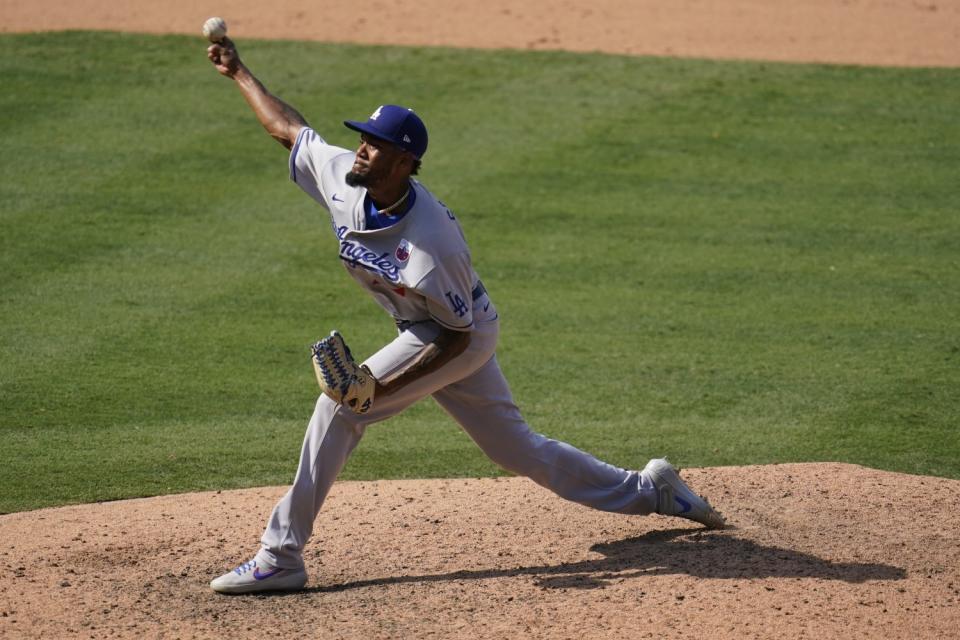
(417, 269)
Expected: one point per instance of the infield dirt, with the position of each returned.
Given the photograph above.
(885, 32)
(815, 551)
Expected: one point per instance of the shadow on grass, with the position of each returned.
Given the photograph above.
(674, 551)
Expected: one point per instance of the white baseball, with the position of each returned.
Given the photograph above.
(214, 29)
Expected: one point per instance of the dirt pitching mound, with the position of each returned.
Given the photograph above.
(817, 550)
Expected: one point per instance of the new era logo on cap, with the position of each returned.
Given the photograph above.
(395, 124)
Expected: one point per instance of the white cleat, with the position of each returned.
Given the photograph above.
(674, 497)
(252, 577)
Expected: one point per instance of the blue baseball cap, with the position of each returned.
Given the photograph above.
(395, 124)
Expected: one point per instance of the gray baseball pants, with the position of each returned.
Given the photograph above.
(473, 391)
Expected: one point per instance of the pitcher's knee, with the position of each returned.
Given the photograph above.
(512, 465)
(528, 459)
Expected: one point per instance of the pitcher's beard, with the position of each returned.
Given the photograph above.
(356, 179)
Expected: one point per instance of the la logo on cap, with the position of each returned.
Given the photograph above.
(397, 125)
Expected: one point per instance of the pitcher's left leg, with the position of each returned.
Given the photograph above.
(483, 405)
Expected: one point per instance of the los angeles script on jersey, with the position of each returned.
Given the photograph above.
(358, 255)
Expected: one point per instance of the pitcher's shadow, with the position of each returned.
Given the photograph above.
(698, 553)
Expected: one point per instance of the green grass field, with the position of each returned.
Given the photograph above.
(727, 263)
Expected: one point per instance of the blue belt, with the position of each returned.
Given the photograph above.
(479, 290)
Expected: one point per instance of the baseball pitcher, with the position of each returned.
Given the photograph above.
(405, 248)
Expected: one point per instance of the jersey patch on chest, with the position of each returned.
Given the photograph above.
(402, 253)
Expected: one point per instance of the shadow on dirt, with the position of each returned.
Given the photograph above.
(711, 554)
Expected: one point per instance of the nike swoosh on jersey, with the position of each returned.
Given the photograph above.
(336, 199)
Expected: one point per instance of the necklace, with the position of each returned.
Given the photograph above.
(395, 204)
